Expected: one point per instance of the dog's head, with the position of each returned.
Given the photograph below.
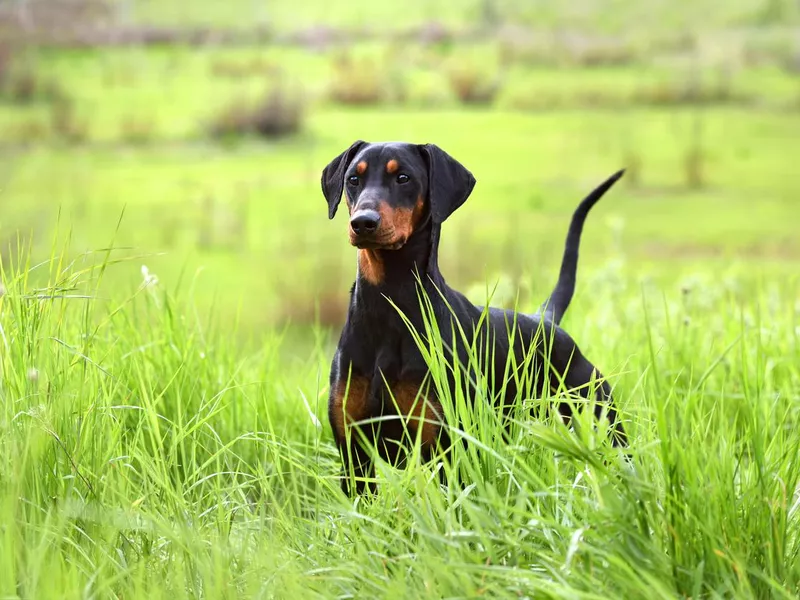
(394, 189)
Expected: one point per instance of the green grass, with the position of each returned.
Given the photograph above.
(145, 453)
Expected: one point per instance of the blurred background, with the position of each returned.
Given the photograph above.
(191, 135)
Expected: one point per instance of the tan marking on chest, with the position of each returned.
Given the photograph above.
(418, 408)
(370, 264)
(351, 400)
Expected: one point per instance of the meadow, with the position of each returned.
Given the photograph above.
(172, 291)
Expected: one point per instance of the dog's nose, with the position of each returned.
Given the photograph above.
(365, 222)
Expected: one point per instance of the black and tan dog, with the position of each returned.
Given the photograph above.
(398, 195)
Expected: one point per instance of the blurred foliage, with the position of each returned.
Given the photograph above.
(112, 106)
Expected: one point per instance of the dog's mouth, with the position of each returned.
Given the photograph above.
(373, 245)
(365, 242)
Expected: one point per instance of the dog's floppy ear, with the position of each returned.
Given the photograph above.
(449, 182)
(333, 176)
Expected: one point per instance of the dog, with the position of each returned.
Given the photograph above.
(398, 195)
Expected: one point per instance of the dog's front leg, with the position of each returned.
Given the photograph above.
(358, 470)
(348, 406)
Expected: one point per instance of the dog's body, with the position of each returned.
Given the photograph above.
(398, 195)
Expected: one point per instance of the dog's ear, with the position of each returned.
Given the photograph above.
(449, 182)
(333, 176)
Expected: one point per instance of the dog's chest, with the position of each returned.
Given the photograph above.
(380, 341)
(379, 372)
(401, 407)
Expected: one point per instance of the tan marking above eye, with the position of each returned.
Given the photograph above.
(361, 167)
(392, 166)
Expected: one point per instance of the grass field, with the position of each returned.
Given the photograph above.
(171, 300)
(146, 455)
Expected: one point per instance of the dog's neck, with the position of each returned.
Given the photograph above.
(394, 273)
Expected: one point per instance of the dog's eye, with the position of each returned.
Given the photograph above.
(403, 178)
(353, 180)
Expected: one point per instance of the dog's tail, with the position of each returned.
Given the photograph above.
(556, 305)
